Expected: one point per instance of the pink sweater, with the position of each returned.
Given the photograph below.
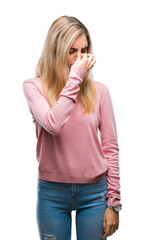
(68, 148)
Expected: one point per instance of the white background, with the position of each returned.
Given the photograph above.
(117, 29)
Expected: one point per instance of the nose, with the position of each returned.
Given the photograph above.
(77, 54)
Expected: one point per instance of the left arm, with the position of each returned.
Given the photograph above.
(109, 142)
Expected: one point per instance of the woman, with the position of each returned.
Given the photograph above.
(76, 171)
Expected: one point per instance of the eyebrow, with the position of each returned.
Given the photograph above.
(76, 48)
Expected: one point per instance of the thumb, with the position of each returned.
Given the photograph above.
(104, 225)
(79, 56)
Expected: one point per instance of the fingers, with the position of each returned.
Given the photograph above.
(110, 222)
(109, 230)
(85, 60)
(86, 55)
(89, 61)
(93, 62)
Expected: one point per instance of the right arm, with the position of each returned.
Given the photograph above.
(53, 119)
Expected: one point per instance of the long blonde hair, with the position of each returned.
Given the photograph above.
(52, 66)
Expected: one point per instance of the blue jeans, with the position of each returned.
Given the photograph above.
(56, 200)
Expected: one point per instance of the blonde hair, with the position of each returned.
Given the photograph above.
(52, 66)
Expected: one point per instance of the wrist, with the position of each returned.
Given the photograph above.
(80, 71)
(116, 208)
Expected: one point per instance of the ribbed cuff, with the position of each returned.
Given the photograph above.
(112, 202)
(77, 69)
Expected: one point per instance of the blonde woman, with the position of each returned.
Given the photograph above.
(77, 171)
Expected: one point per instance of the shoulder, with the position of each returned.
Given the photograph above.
(102, 90)
(101, 87)
(35, 83)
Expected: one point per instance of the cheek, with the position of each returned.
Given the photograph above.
(70, 60)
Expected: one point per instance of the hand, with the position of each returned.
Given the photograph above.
(111, 222)
(85, 60)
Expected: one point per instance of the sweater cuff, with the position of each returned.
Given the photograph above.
(113, 201)
(77, 69)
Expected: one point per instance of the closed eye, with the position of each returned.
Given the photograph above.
(83, 50)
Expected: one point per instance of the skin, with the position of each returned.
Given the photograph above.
(111, 222)
(78, 54)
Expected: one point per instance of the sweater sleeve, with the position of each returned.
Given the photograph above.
(53, 119)
(109, 142)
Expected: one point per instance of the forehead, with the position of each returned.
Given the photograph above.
(80, 41)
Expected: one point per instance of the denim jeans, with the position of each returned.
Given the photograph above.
(56, 200)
